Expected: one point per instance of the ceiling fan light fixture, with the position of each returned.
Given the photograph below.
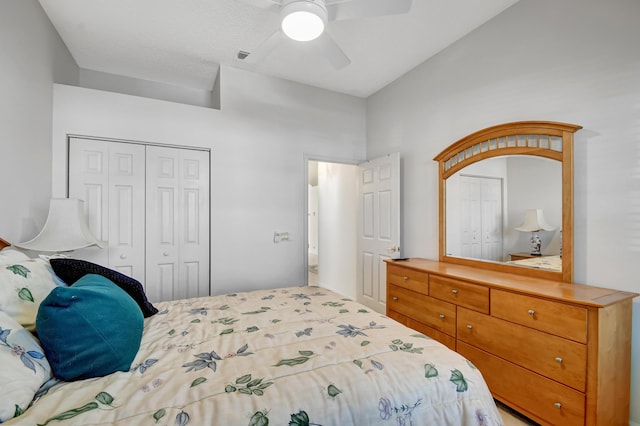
(304, 20)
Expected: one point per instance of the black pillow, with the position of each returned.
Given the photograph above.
(71, 270)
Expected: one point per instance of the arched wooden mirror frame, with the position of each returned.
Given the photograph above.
(546, 139)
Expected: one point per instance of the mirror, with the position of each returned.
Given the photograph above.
(506, 199)
(486, 202)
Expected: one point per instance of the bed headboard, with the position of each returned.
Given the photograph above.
(4, 244)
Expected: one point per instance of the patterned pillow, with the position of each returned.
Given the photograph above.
(71, 270)
(23, 367)
(23, 286)
(9, 255)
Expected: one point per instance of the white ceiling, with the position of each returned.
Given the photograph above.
(184, 42)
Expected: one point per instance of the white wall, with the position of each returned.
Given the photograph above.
(257, 161)
(151, 89)
(32, 58)
(575, 61)
(337, 219)
(534, 184)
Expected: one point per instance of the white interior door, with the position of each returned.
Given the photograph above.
(378, 227)
(110, 178)
(471, 217)
(479, 208)
(312, 224)
(177, 223)
(492, 219)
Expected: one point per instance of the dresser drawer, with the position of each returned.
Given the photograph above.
(533, 395)
(408, 278)
(559, 359)
(397, 316)
(445, 339)
(461, 293)
(553, 317)
(441, 337)
(427, 310)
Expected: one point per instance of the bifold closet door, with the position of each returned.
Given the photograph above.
(110, 178)
(151, 204)
(475, 230)
(177, 226)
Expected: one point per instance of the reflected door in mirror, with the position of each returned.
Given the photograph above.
(474, 217)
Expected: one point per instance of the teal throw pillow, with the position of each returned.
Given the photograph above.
(90, 329)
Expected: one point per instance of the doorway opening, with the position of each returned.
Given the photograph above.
(332, 214)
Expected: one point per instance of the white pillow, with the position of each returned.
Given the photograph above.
(23, 367)
(23, 286)
(9, 255)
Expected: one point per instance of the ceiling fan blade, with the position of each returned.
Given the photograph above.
(354, 9)
(332, 51)
(263, 50)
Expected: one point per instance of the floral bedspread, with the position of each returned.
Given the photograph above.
(289, 356)
(553, 263)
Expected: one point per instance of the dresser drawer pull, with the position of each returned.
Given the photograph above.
(442, 316)
(559, 360)
(557, 405)
(469, 326)
(395, 298)
(454, 291)
(405, 278)
(531, 312)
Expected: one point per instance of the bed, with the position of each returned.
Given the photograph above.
(552, 263)
(285, 356)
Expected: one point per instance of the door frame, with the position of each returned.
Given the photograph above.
(305, 212)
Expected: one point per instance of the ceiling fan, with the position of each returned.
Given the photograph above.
(306, 20)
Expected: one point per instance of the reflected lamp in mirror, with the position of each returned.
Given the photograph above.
(66, 229)
(534, 222)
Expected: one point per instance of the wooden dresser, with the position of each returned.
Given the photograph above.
(559, 353)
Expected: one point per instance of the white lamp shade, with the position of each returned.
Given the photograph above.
(534, 221)
(303, 20)
(65, 229)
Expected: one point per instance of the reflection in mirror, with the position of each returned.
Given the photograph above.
(533, 170)
(486, 201)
